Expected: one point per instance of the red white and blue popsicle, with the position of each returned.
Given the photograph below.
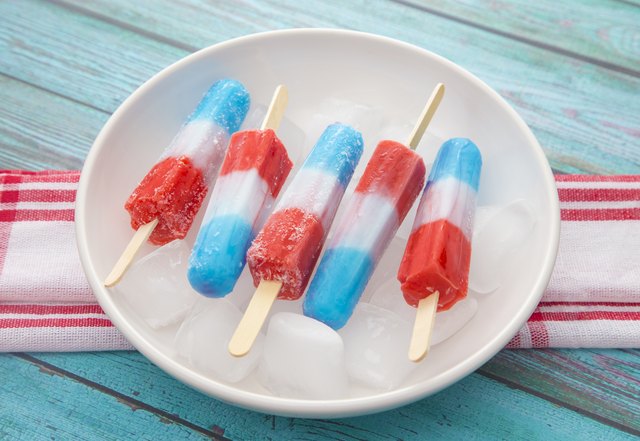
(254, 170)
(165, 202)
(435, 267)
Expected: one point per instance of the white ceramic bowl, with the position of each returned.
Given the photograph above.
(314, 64)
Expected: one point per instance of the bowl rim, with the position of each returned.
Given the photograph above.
(303, 407)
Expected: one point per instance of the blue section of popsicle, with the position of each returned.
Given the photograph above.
(224, 239)
(330, 297)
(458, 158)
(226, 103)
(339, 138)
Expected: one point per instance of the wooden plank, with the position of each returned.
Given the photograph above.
(603, 382)
(568, 27)
(476, 405)
(573, 107)
(39, 404)
(33, 135)
(77, 56)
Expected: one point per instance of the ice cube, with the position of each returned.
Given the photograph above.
(389, 296)
(254, 117)
(294, 139)
(292, 136)
(498, 239)
(203, 339)
(387, 269)
(376, 343)
(366, 119)
(292, 306)
(396, 131)
(449, 322)
(303, 358)
(156, 286)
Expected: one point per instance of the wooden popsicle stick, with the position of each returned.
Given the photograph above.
(427, 307)
(423, 327)
(140, 236)
(425, 117)
(267, 291)
(276, 109)
(254, 317)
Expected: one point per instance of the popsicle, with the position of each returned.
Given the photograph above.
(163, 205)
(434, 272)
(252, 174)
(283, 255)
(391, 182)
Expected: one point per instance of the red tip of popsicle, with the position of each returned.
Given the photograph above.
(260, 149)
(437, 256)
(293, 259)
(171, 192)
(395, 171)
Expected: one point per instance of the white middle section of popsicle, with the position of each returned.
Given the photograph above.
(195, 140)
(240, 193)
(316, 192)
(380, 217)
(449, 199)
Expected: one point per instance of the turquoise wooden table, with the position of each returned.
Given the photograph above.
(571, 69)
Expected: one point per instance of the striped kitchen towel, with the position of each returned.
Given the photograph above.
(46, 303)
(593, 299)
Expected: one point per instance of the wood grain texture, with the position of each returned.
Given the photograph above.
(76, 56)
(39, 404)
(574, 107)
(605, 32)
(506, 413)
(32, 134)
(602, 383)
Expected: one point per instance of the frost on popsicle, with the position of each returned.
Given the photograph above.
(172, 192)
